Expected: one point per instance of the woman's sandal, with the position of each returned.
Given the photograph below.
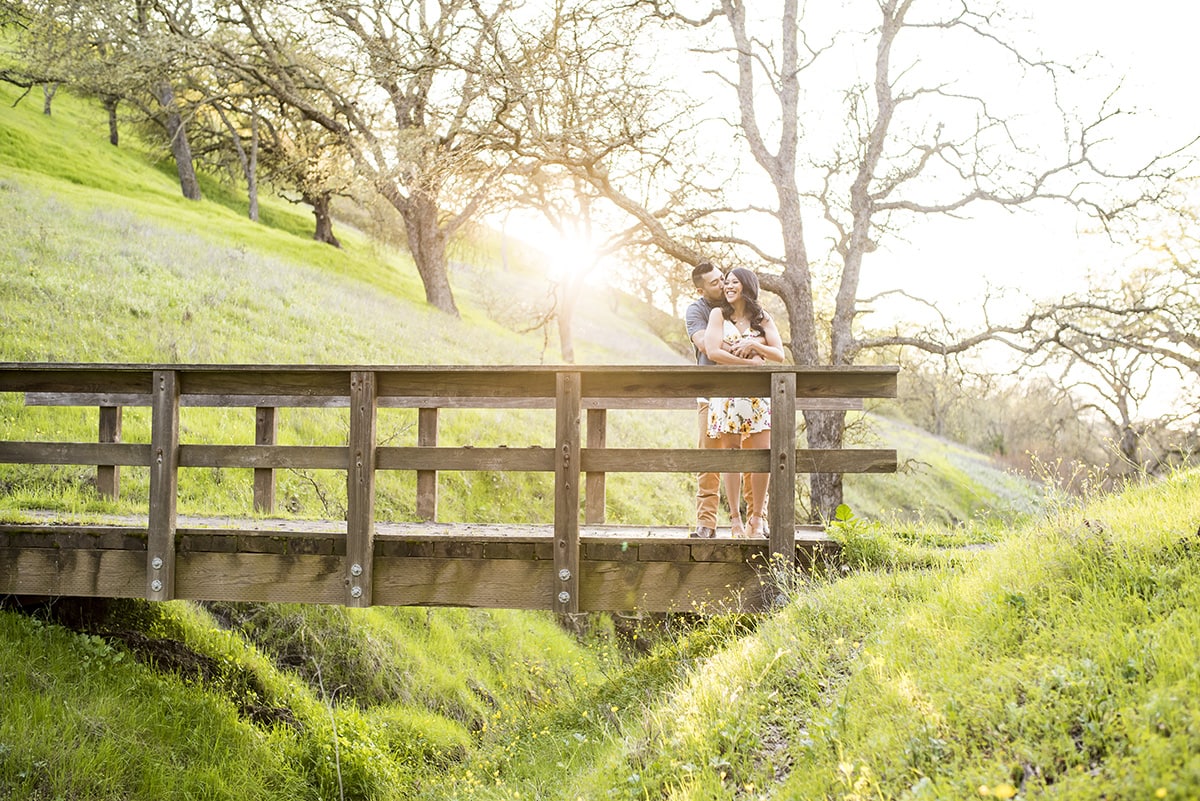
(757, 527)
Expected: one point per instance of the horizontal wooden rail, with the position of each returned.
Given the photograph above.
(110, 453)
(450, 382)
(133, 399)
(532, 459)
(365, 561)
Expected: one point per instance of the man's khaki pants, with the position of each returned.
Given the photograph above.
(708, 485)
(708, 492)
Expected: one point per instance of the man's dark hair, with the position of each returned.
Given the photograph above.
(699, 271)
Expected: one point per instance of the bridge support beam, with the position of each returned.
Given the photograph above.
(108, 476)
(266, 432)
(164, 486)
(781, 506)
(569, 391)
(594, 497)
(427, 480)
(360, 490)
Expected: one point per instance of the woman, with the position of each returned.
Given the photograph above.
(741, 332)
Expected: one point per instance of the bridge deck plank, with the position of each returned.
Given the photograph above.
(622, 567)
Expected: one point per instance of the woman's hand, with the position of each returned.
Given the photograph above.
(747, 348)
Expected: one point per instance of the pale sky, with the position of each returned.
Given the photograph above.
(1146, 46)
(1150, 49)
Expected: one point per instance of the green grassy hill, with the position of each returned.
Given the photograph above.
(950, 656)
(104, 261)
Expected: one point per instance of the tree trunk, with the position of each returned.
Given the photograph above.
(566, 340)
(180, 147)
(48, 90)
(825, 430)
(110, 105)
(252, 169)
(427, 243)
(320, 206)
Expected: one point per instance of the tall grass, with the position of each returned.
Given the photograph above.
(1057, 664)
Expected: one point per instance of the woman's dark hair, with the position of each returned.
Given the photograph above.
(754, 310)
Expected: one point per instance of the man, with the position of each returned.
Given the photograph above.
(710, 284)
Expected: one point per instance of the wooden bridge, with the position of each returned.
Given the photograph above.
(565, 566)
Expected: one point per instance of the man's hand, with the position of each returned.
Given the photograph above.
(745, 348)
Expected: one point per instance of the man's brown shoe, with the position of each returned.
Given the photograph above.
(704, 532)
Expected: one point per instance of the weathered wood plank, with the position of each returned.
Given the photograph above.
(312, 457)
(265, 578)
(479, 573)
(100, 573)
(664, 552)
(781, 511)
(608, 551)
(87, 399)
(305, 382)
(82, 537)
(704, 587)
(850, 460)
(164, 487)
(707, 587)
(567, 431)
(266, 432)
(594, 489)
(467, 382)
(402, 581)
(75, 378)
(108, 477)
(532, 459)
(128, 454)
(398, 402)
(427, 484)
(811, 382)
(360, 491)
(693, 460)
(490, 583)
(451, 381)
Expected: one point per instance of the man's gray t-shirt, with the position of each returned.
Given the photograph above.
(696, 318)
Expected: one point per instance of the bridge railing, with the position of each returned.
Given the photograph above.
(569, 390)
(111, 407)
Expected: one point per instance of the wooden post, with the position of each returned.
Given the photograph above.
(568, 407)
(266, 430)
(108, 476)
(164, 486)
(597, 436)
(427, 436)
(360, 490)
(781, 507)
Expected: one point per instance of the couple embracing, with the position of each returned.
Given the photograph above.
(727, 325)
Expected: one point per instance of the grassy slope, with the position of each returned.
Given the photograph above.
(1059, 663)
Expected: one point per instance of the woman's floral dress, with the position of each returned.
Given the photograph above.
(738, 415)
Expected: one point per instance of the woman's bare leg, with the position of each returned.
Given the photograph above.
(758, 487)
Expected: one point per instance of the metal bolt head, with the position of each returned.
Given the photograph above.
(156, 563)
(564, 575)
(356, 569)
(156, 586)
(356, 592)
(564, 597)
